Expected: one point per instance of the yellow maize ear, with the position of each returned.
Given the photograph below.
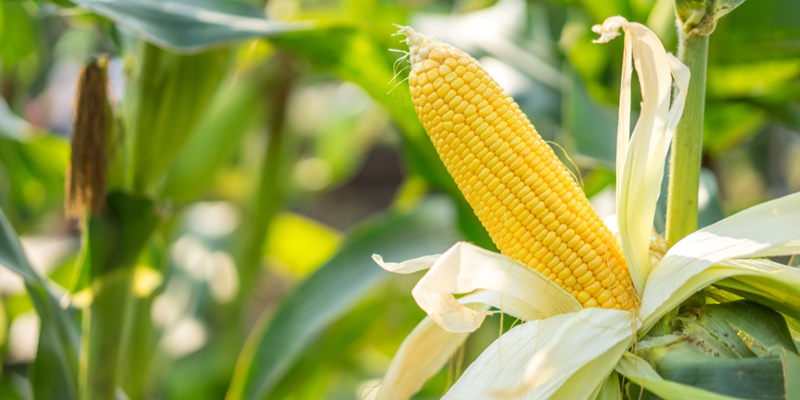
(523, 195)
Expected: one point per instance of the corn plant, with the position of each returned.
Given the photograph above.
(201, 217)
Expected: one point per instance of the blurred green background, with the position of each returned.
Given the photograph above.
(261, 152)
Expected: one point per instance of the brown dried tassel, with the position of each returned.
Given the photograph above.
(86, 177)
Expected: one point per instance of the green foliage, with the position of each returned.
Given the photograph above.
(225, 111)
(333, 289)
(54, 372)
(188, 25)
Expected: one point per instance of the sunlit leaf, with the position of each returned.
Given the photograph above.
(54, 373)
(757, 31)
(218, 132)
(167, 96)
(19, 41)
(728, 124)
(300, 244)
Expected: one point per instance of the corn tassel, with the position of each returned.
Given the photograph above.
(86, 176)
(522, 194)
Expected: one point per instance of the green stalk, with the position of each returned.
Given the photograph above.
(107, 326)
(687, 145)
(271, 187)
(113, 241)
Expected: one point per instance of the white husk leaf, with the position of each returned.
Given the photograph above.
(551, 352)
(640, 158)
(465, 268)
(408, 266)
(703, 257)
(422, 354)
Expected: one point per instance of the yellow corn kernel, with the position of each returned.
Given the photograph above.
(516, 185)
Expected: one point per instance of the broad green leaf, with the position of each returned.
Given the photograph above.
(768, 78)
(187, 25)
(755, 378)
(19, 39)
(639, 371)
(762, 326)
(709, 332)
(54, 373)
(757, 31)
(167, 95)
(728, 124)
(33, 177)
(12, 255)
(333, 289)
(232, 112)
(791, 363)
(754, 51)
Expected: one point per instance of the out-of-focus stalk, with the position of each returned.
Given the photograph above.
(270, 191)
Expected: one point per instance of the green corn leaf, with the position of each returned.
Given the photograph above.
(748, 378)
(12, 255)
(334, 288)
(165, 101)
(762, 326)
(218, 132)
(54, 373)
(710, 333)
(189, 25)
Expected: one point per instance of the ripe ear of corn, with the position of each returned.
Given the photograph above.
(522, 194)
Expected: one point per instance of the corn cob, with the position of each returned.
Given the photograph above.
(522, 194)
